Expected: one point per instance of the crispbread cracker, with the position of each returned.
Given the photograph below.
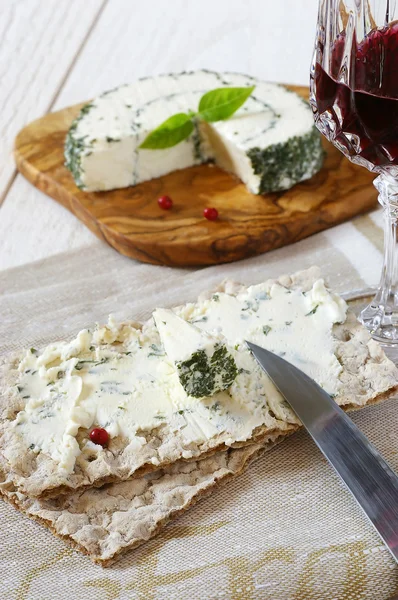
(368, 376)
(105, 523)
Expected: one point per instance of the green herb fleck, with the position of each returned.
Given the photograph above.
(266, 329)
(199, 320)
(156, 351)
(80, 364)
(313, 311)
(242, 370)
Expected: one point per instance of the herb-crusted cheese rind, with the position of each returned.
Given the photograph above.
(270, 143)
(278, 165)
(127, 386)
(204, 364)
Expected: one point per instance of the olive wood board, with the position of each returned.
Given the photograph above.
(131, 221)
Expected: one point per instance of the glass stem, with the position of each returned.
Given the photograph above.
(381, 316)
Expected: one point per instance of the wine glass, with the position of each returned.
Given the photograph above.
(354, 97)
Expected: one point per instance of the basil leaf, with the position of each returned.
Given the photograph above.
(221, 103)
(170, 133)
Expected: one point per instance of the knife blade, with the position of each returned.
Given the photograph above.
(365, 473)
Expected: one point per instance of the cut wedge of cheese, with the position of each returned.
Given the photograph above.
(270, 143)
(204, 364)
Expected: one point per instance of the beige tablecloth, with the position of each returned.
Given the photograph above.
(286, 530)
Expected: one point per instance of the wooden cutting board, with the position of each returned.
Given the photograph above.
(131, 221)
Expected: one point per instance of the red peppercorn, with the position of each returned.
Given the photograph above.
(99, 436)
(210, 213)
(165, 202)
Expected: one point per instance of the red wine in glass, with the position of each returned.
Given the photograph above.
(354, 97)
(363, 112)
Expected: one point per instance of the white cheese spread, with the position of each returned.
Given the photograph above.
(119, 378)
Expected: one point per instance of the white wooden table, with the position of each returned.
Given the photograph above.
(54, 53)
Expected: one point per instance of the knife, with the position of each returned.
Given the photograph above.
(366, 474)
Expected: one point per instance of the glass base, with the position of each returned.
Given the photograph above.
(380, 317)
(381, 322)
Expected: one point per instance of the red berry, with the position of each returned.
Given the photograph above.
(100, 436)
(165, 202)
(210, 213)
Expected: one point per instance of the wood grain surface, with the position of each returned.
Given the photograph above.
(131, 221)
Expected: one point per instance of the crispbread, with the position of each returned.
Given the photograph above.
(105, 523)
(368, 375)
